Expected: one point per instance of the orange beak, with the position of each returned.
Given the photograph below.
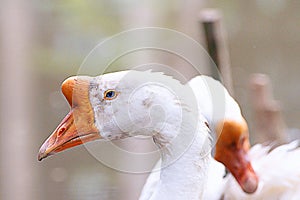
(78, 126)
(232, 150)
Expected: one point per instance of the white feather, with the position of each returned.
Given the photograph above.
(278, 172)
(157, 105)
(214, 101)
(215, 104)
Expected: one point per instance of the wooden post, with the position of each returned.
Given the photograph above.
(268, 122)
(16, 150)
(215, 37)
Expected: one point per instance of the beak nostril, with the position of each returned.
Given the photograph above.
(61, 131)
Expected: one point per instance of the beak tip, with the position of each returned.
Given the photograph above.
(250, 185)
(43, 152)
(41, 155)
(40, 158)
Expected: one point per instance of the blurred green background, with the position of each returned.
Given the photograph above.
(43, 42)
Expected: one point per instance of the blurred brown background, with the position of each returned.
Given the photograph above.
(43, 42)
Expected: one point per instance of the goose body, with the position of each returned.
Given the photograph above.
(213, 190)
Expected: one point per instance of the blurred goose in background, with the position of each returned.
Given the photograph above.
(278, 169)
(117, 105)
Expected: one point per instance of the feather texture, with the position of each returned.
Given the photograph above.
(278, 171)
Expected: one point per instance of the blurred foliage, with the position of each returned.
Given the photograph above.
(69, 29)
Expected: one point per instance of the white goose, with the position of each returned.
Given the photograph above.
(99, 110)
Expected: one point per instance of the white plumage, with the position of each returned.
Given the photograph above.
(278, 171)
(153, 104)
(216, 105)
(213, 190)
(214, 101)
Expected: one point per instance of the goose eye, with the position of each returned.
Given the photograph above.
(110, 94)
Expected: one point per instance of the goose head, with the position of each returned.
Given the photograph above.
(114, 106)
(232, 150)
